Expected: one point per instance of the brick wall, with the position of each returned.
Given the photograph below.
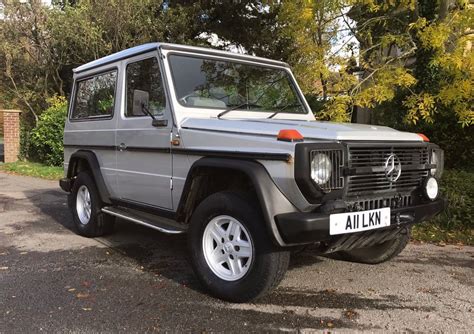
(1, 123)
(11, 134)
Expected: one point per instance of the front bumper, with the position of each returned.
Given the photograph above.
(304, 227)
(66, 184)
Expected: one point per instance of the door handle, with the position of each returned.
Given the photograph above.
(122, 147)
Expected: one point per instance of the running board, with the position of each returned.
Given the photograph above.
(157, 223)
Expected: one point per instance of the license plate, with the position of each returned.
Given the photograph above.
(350, 222)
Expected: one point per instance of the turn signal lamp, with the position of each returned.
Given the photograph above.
(290, 135)
(423, 137)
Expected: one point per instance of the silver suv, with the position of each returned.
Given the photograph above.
(225, 148)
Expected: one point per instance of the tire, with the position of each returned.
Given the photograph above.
(261, 272)
(95, 223)
(378, 253)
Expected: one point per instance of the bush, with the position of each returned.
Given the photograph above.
(25, 142)
(46, 139)
(458, 188)
(455, 224)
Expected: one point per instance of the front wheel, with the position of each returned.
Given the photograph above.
(231, 252)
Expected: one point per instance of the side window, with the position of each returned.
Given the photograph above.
(144, 84)
(95, 96)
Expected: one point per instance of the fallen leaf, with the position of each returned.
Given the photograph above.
(82, 295)
(87, 284)
(329, 290)
(350, 314)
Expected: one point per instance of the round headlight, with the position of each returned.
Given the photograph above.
(431, 188)
(321, 168)
(434, 161)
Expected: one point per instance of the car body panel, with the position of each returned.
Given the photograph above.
(309, 129)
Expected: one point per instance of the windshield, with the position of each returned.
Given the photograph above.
(224, 84)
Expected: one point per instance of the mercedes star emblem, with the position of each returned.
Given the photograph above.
(393, 168)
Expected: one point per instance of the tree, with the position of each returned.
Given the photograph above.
(429, 43)
(40, 45)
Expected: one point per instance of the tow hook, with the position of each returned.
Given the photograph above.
(397, 219)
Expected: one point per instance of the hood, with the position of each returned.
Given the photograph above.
(309, 129)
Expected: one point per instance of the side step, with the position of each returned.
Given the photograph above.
(158, 223)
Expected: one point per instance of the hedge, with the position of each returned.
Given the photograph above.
(45, 142)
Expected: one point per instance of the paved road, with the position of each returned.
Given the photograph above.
(138, 280)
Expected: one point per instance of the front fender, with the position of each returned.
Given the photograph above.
(271, 199)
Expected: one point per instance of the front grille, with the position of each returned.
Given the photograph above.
(372, 161)
(377, 203)
(336, 180)
(376, 156)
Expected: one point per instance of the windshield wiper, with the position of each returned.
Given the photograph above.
(283, 108)
(254, 103)
(246, 104)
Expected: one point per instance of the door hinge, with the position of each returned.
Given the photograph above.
(171, 184)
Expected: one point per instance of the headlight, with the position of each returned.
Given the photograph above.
(436, 158)
(431, 188)
(321, 168)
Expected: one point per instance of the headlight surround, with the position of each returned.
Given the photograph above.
(321, 168)
(437, 158)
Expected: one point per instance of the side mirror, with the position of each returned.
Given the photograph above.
(140, 100)
(159, 122)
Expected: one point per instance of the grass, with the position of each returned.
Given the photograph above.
(33, 169)
(433, 233)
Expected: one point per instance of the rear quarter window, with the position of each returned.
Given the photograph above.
(95, 97)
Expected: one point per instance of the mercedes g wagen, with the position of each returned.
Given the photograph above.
(225, 148)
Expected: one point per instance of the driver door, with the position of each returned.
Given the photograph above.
(144, 164)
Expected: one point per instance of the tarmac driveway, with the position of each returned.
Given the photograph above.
(138, 280)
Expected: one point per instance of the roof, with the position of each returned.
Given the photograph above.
(127, 53)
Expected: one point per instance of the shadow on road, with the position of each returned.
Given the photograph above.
(166, 255)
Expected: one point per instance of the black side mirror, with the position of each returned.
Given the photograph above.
(140, 100)
(159, 122)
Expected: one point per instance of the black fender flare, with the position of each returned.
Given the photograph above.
(94, 166)
(272, 201)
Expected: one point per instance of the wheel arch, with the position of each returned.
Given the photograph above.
(84, 160)
(271, 200)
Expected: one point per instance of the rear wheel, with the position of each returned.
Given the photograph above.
(86, 208)
(231, 252)
(378, 253)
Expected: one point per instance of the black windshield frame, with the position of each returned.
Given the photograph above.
(290, 79)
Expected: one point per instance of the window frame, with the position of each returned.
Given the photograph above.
(292, 81)
(76, 88)
(125, 84)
